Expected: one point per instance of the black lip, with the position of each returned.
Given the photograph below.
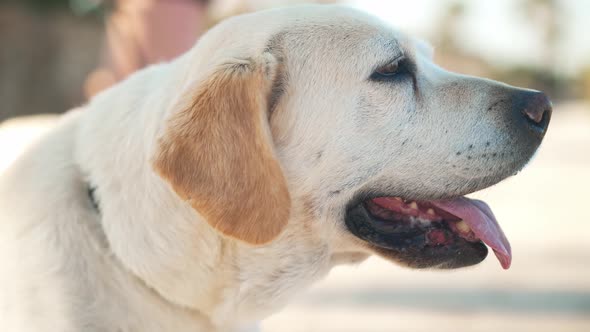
(388, 235)
(408, 245)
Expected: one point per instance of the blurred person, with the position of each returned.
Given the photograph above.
(143, 32)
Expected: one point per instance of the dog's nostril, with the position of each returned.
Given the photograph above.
(538, 121)
(536, 108)
(534, 115)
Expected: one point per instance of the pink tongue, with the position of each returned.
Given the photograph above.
(480, 218)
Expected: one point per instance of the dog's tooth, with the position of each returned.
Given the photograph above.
(398, 198)
(431, 212)
(462, 226)
(414, 205)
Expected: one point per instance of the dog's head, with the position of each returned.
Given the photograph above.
(328, 117)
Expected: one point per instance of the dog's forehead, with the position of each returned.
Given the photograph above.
(337, 36)
(348, 28)
(318, 26)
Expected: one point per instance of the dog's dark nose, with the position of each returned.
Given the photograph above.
(534, 107)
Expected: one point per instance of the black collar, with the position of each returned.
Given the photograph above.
(92, 198)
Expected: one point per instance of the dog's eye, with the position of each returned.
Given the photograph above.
(389, 69)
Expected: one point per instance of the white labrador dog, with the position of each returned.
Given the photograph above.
(202, 194)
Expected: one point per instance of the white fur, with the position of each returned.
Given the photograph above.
(148, 262)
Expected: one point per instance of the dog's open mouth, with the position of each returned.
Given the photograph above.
(444, 233)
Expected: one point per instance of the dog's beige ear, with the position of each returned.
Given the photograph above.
(217, 154)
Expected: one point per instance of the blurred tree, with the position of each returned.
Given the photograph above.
(450, 52)
(448, 26)
(585, 83)
(546, 16)
(78, 7)
(41, 4)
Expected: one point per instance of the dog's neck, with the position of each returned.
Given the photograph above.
(156, 236)
(161, 239)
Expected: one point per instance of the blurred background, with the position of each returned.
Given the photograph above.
(55, 54)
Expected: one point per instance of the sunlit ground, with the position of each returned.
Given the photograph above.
(545, 212)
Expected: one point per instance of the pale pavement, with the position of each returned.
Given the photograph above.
(544, 211)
